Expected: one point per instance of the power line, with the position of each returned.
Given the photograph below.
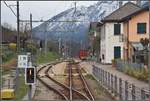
(53, 21)
(10, 8)
(58, 31)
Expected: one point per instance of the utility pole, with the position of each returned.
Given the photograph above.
(59, 42)
(1, 51)
(31, 59)
(149, 50)
(81, 47)
(18, 47)
(71, 42)
(31, 26)
(18, 35)
(31, 30)
(45, 38)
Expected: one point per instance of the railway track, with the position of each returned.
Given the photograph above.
(69, 91)
(46, 68)
(81, 95)
(78, 82)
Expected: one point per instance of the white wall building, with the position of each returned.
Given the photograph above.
(111, 45)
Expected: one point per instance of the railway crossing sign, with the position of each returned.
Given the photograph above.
(30, 75)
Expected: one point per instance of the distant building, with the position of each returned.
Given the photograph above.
(112, 32)
(94, 35)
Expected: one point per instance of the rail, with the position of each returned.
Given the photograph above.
(48, 86)
(64, 86)
(85, 84)
(70, 82)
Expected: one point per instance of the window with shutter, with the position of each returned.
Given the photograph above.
(117, 29)
(141, 28)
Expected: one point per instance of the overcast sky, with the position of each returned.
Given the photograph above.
(39, 9)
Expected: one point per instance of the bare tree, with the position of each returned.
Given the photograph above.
(6, 25)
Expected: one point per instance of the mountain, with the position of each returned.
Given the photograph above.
(86, 14)
(76, 31)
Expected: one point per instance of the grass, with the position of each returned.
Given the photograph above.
(5, 72)
(8, 57)
(88, 76)
(99, 90)
(140, 74)
(22, 89)
(50, 56)
(2, 81)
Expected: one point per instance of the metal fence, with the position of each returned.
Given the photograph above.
(121, 65)
(118, 87)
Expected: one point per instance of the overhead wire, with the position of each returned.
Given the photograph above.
(10, 8)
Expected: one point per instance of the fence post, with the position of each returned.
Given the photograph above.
(106, 78)
(142, 94)
(116, 85)
(126, 90)
(133, 92)
(103, 76)
(109, 85)
(100, 75)
(112, 83)
(120, 88)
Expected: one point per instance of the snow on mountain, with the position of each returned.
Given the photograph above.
(74, 30)
(77, 32)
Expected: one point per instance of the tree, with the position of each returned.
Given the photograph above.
(144, 42)
(8, 26)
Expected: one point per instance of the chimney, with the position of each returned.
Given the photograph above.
(120, 4)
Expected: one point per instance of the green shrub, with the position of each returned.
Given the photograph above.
(144, 74)
(7, 56)
(31, 48)
(141, 74)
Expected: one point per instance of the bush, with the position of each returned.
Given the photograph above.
(144, 74)
(7, 56)
(31, 48)
(12, 46)
(141, 74)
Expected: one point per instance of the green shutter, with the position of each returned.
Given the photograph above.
(117, 29)
(141, 28)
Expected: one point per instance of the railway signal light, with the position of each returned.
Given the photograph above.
(30, 75)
